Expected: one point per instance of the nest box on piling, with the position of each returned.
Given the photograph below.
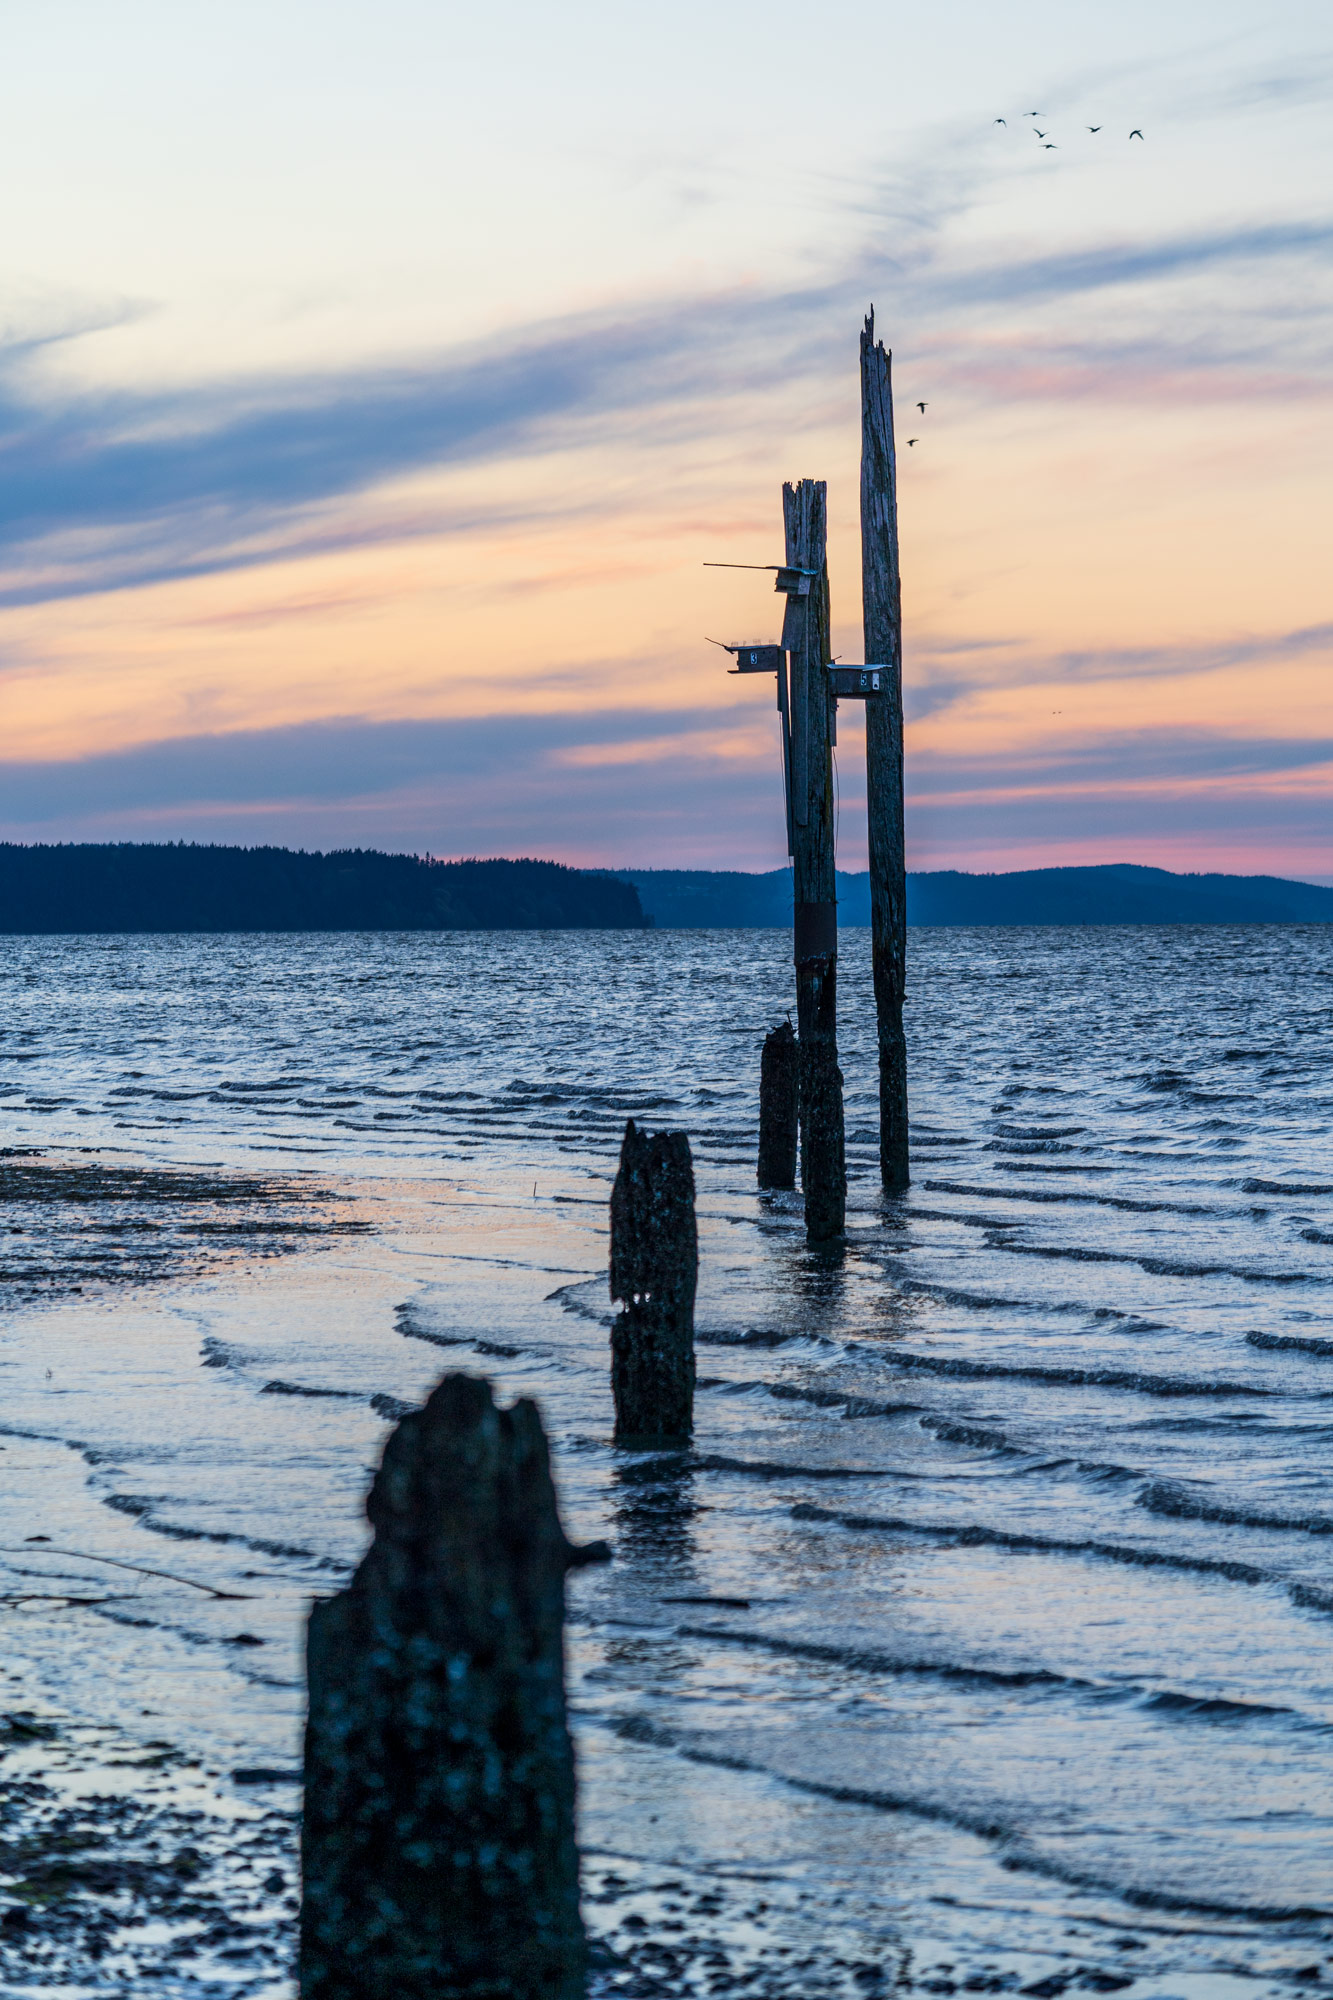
(858, 683)
(756, 659)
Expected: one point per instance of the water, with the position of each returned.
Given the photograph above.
(982, 1642)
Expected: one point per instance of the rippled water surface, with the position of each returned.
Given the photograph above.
(984, 1639)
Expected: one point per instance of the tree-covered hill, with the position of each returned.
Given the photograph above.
(132, 887)
(1117, 893)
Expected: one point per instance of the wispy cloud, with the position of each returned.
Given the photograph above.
(942, 673)
(646, 785)
(120, 489)
(352, 758)
(1109, 265)
(1123, 760)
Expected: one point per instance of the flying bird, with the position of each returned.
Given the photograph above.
(1092, 128)
(922, 408)
(1040, 135)
(911, 440)
(1034, 114)
(1001, 121)
(1050, 147)
(1136, 134)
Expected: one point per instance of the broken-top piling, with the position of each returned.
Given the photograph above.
(438, 1839)
(881, 597)
(654, 1273)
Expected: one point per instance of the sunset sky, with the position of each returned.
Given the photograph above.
(377, 380)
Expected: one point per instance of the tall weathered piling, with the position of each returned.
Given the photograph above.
(654, 1272)
(779, 1099)
(882, 612)
(438, 1837)
(806, 633)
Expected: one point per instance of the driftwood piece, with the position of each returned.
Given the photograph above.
(779, 1098)
(438, 1838)
(881, 597)
(654, 1272)
(823, 1161)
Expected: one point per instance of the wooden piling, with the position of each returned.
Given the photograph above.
(823, 1162)
(654, 1273)
(882, 612)
(779, 1097)
(438, 1835)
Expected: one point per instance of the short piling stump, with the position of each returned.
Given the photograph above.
(779, 1107)
(654, 1273)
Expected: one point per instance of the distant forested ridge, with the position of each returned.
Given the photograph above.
(1119, 893)
(132, 887)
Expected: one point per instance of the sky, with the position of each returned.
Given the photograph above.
(377, 380)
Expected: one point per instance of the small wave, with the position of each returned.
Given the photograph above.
(217, 1354)
(1164, 1496)
(1286, 1187)
(974, 1220)
(1025, 1146)
(280, 1083)
(1164, 1080)
(870, 1660)
(1156, 1267)
(639, 1729)
(861, 1659)
(1214, 1708)
(839, 1399)
(1104, 1472)
(1087, 1196)
(1310, 1598)
(719, 1603)
(949, 1432)
(393, 1407)
(1015, 1854)
(1296, 1343)
(951, 1295)
(299, 1389)
(141, 1507)
(406, 1322)
(754, 1336)
(1095, 1378)
(49, 1437)
(761, 1468)
(1316, 1236)
(567, 1296)
(975, 1535)
(1039, 1131)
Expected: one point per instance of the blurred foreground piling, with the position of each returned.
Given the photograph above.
(654, 1272)
(779, 1100)
(438, 1842)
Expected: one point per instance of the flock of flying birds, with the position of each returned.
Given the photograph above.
(1047, 146)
